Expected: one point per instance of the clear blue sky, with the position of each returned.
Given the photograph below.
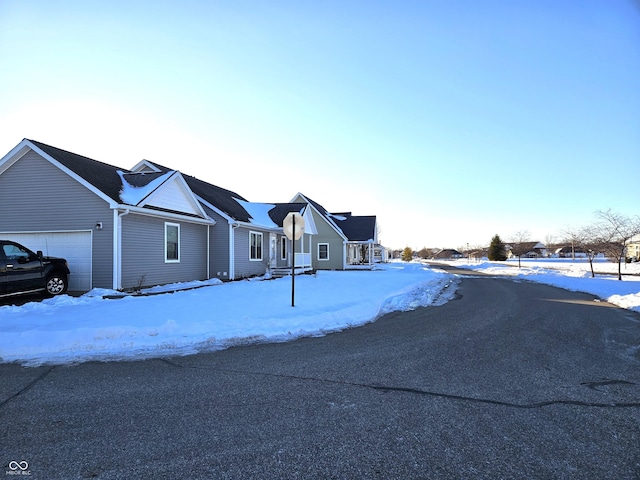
(450, 121)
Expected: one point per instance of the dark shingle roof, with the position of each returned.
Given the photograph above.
(317, 206)
(141, 179)
(218, 197)
(105, 178)
(102, 176)
(357, 228)
(279, 212)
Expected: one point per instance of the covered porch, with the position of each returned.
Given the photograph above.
(363, 255)
(299, 258)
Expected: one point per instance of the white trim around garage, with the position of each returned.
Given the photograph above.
(76, 246)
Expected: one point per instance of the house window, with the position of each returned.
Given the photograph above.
(255, 246)
(283, 248)
(171, 242)
(323, 251)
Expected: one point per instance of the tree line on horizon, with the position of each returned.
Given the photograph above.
(608, 235)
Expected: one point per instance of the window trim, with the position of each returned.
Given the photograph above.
(284, 249)
(320, 258)
(166, 243)
(261, 236)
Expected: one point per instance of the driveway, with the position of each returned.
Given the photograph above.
(510, 380)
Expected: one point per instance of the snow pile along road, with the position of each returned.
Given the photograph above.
(70, 330)
(571, 275)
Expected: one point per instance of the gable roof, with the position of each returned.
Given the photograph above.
(280, 211)
(357, 228)
(125, 187)
(148, 180)
(528, 246)
(323, 212)
(220, 198)
(353, 228)
(102, 176)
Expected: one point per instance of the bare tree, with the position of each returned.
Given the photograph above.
(520, 244)
(576, 238)
(549, 240)
(587, 241)
(611, 233)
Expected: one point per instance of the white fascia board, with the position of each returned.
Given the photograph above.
(228, 218)
(331, 223)
(263, 228)
(309, 223)
(72, 174)
(167, 215)
(177, 179)
(141, 165)
(322, 215)
(14, 155)
(298, 195)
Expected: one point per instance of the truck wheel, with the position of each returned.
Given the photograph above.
(56, 284)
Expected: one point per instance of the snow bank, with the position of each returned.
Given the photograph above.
(571, 275)
(68, 330)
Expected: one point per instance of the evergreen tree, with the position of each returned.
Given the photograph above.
(407, 254)
(497, 252)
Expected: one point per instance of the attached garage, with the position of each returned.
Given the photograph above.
(75, 246)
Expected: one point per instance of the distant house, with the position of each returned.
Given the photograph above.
(528, 249)
(146, 226)
(633, 248)
(343, 240)
(568, 251)
(447, 254)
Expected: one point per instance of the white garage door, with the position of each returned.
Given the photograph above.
(74, 246)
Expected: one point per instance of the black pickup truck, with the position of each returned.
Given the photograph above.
(22, 271)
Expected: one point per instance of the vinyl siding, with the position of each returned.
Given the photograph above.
(326, 234)
(243, 266)
(219, 245)
(143, 250)
(38, 197)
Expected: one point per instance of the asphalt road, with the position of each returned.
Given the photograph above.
(510, 380)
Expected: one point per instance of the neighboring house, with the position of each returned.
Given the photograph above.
(569, 252)
(343, 241)
(633, 248)
(124, 229)
(529, 249)
(447, 254)
(242, 227)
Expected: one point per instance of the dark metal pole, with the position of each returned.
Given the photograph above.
(293, 265)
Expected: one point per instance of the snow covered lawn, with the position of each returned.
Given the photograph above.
(68, 330)
(216, 315)
(571, 275)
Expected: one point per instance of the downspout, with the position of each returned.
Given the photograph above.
(344, 255)
(208, 252)
(370, 254)
(117, 247)
(232, 259)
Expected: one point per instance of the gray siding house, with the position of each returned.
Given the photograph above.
(248, 236)
(343, 241)
(123, 229)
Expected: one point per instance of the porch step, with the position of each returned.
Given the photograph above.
(286, 271)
